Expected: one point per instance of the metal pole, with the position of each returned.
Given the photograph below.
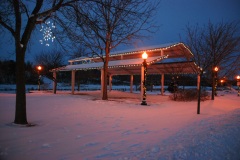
(213, 84)
(238, 84)
(144, 82)
(238, 90)
(199, 94)
(216, 80)
(38, 81)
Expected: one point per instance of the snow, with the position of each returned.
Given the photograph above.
(167, 45)
(82, 126)
(115, 63)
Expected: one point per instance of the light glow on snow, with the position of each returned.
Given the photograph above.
(82, 126)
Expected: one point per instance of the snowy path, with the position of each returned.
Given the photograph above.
(214, 138)
(84, 127)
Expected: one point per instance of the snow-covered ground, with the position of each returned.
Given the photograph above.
(82, 126)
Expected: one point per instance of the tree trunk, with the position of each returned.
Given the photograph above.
(54, 78)
(105, 68)
(105, 96)
(55, 87)
(20, 112)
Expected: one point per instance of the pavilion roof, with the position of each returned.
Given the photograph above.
(162, 59)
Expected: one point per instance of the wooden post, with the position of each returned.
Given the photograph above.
(73, 81)
(131, 83)
(198, 81)
(162, 84)
(110, 82)
(102, 76)
(54, 82)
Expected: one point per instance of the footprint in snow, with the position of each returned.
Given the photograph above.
(79, 136)
(46, 145)
(91, 144)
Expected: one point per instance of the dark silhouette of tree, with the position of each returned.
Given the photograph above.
(215, 45)
(19, 18)
(49, 60)
(104, 24)
(8, 70)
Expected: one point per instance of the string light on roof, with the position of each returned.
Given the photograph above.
(47, 32)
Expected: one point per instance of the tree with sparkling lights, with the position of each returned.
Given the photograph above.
(19, 18)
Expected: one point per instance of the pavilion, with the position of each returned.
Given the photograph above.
(173, 58)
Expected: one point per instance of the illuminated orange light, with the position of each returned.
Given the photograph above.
(144, 55)
(216, 69)
(238, 77)
(39, 68)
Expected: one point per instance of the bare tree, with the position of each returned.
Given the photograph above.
(215, 45)
(19, 18)
(49, 60)
(78, 52)
(104, 24)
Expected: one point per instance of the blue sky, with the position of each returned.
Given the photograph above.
(173, 16)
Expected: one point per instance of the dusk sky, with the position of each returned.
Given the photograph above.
(173, 16)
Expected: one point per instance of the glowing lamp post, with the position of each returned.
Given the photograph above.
(39, 68)
(215, 87)
(144, 57)
(221, 82)
(238, 84)
(214, 84)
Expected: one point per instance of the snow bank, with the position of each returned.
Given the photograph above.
(82, 126)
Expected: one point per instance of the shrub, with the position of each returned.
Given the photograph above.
(189, 95)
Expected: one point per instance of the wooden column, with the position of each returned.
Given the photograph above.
(131, 83)
(110, 82)
(54, 82)
(73, 81)
(198, 81)
(162, 84)
(102, 77)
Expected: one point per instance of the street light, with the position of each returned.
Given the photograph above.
(238, 84)
(221, 82)
(144, 57)
(39, 68)
(214, 84)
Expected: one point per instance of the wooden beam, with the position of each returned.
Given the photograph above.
(102, 77)
(73, 80)
(110, 82)
(131, 83)
(162, 84)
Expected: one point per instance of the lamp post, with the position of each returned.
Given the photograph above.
(144, 57)
(238, 84)
(39, 68)
(216, 80)
(222, 82)
(214, 84)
